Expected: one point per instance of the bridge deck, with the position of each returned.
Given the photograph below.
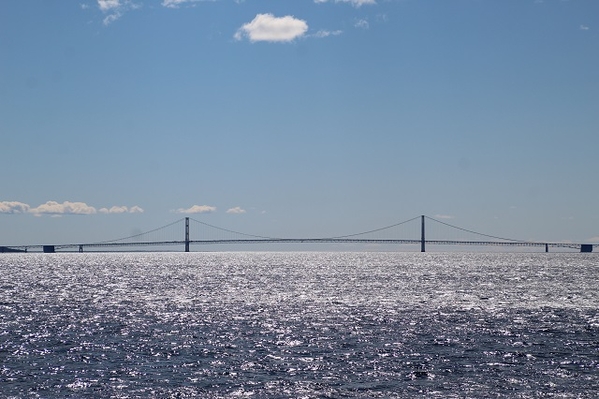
(302, 241)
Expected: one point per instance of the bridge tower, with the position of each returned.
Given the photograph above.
(422, 237)
(186, 234)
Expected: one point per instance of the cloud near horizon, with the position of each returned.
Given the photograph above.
(268, 28)
(13, 207)
(66, 208)
(122, 209)
(197, 209)
(236, 210)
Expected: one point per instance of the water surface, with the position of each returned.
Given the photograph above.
(313, 325)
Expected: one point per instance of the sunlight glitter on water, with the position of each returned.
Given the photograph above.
(299, 324)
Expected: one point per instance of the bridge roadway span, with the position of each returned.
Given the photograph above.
(318, 241)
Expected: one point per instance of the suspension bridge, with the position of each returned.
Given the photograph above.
(422, 231)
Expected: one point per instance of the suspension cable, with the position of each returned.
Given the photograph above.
(233, 231)
(474, 232)
(337, 237)
(141, 234)
(375, 230)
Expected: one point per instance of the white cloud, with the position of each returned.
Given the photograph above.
(106, 5)
(326, 33)
(362, 23)
(444, 217)
(177, 3)
(115, 9)
(13, 207)
(584, 27)
(236, 210)
(172, 3)
(355, 3)
(121, 209)
(67, 207)
(268, 28)
(197, 209)
(111, 18)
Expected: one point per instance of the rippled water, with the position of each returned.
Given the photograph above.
(297, 325)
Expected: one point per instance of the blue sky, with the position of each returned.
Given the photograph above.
(298, 118)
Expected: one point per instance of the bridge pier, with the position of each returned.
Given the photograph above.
(546, 247)
(48, 249)
(422, 238)
(186, 234)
